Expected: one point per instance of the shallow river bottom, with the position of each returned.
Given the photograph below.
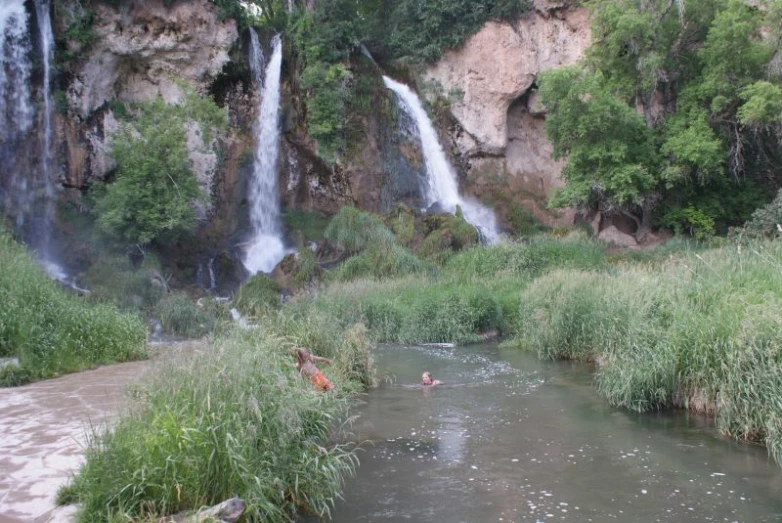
(509, 438)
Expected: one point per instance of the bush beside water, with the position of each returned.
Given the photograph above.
(51, 331)
(236, 420)
(700, 331)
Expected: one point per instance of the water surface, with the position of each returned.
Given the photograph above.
(510, 438)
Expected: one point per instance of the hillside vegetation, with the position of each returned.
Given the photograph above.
(49, 330)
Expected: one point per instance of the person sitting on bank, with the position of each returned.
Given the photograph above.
(427, 380)
(305, 363)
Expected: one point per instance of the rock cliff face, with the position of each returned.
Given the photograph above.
(499, 135)
(144, 49)
(140, 51)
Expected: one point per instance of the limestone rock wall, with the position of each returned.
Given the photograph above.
(499, 131)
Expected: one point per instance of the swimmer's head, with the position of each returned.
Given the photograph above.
(426, 378)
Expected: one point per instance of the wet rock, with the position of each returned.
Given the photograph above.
(229, 271)
(616, 237)
(228, 512)
(9, 362)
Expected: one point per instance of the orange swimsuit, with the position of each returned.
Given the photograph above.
(318, 379)
(321, 382)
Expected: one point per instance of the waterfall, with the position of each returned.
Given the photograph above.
(46, 40)
(266, 248)
(441, 188)
(16, 108)
(257, 61)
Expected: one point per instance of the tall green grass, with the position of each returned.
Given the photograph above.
(51, 331)
(236, 420)
(478, 290)
(700, 331)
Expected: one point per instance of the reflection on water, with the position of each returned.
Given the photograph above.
(509, 438)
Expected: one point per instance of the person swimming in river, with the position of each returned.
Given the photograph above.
(305, 363)
(427, 380)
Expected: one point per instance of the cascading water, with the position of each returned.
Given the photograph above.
(441, 187)
(266, 247)
(16, 108)
(46, 40)
(29, 192)
(257, 60)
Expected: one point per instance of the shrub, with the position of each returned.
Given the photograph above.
(112, 279)
(766, 220)
(51, 331)
(233, 421)
(354, 230)
(257, 295)
(181, 316)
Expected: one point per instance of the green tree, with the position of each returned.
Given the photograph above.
(704, 75)
(612, 163)
(153, 193)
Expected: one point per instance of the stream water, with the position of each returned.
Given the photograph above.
(506, 438)
(510, 438)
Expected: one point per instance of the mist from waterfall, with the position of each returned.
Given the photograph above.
(266, 248)
(442, 187)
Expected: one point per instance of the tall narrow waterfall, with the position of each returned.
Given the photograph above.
(16, 108)
(266, 248)
(46, 40)
(442, 187)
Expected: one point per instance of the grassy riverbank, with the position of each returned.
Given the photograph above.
(51, 331)
(234, 420)
(676, 327)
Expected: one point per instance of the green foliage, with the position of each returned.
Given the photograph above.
(766, 220)
(112, 279)
(523, 223)
(423, 29)
(257, 295)
(353, 230)
(181, 316)
(696, 74)
(692, 220)
(151, 198)
(328, 88)
(51, 331)
(237, 420)
(611, 158)
(311, 225)
(762, 104)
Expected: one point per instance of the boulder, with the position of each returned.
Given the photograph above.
(228, 511)
(616, 237)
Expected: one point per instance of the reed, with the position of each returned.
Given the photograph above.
(52, 331)
(235, 420)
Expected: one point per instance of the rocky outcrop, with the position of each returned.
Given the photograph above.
(499, 122)
(141, 48)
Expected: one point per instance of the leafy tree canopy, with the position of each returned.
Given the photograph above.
(152, 196)
(673, 99)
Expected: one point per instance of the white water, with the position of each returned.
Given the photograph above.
(16, 110)
(266, 248)
(442, 187)
(257, 60)
(46, 40)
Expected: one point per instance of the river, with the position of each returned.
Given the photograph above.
(509, 438)
(506, 438)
